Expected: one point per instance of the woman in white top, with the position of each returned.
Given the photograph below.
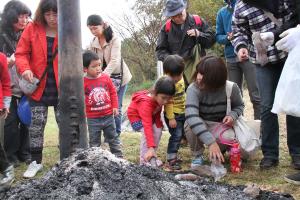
(108, 46)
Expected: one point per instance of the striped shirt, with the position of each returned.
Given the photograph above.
(204, 106)
(247, 19)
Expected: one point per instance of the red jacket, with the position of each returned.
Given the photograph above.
(4, 80)
(31, 54)
(100, 96)
(144, 108)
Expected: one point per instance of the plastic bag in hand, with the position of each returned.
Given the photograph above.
(288, 93)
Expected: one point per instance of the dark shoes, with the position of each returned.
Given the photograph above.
(173, 165)
(293, 179)
(296, 162)
(268, 163)
(7, 178)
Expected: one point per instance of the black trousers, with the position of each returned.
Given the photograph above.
(16, 135)
(4, 164)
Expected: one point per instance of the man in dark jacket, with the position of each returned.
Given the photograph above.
(249, 18)
(287, 43)
(184, 32)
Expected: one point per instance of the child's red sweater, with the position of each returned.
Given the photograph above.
(4, 80)
(100, 96)
(144, 108)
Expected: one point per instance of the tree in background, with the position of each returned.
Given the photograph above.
(140, 32)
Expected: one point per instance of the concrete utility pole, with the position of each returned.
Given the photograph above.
(73, 131)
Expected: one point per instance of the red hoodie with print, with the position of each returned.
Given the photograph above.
(144, 108)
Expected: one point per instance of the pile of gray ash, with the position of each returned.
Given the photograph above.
(97, 174)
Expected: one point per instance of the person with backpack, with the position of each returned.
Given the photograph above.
(108, 47)
(236, 69)
(252, 20)
(181, 32)
(14, 19)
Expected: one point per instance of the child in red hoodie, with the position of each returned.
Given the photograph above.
(101, 104)
(144, 114)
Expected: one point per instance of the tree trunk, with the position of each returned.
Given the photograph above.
(73, 131)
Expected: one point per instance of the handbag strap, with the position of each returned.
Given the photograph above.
(47, 67)
(121, 70)
(222, 128)
(229, 86)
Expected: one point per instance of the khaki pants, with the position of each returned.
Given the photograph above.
(197, 146)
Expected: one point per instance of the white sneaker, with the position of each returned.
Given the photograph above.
(32, 169)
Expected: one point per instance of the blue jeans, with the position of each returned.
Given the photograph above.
(118, 119)
(267, 79)
(107, 125)
(176, 135)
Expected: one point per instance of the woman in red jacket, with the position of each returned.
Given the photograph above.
(35, 53)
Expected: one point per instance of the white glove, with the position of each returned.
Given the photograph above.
(268, 38)
(290, 38)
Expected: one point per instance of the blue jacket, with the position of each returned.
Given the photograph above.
(223, 26)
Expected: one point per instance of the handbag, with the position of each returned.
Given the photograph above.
(247, 131)
(117, 79)
(29, 87)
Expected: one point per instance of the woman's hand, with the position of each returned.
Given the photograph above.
(4, 112)
(150, 154)
(228, 120)
(11, 60)
(28, 75)
(115, 111)
(215, 152)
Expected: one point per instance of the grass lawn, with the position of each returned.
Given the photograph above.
(270, 180)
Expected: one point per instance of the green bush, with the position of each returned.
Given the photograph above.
(134, 86)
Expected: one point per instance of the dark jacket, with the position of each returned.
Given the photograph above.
(170, 42)
(8, 42)
(273, 7)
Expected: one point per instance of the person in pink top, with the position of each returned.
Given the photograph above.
(101, 103)
(144, 114)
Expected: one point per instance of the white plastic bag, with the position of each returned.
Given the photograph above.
(247, 131)
(246, 135)
(287, 96)
(218, 170)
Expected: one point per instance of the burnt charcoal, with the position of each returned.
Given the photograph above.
(97, 174)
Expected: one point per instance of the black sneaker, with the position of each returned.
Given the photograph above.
(173, 165)
(293, 179)
(267, 163)
(296, 162)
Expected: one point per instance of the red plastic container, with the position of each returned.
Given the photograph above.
(235, 158)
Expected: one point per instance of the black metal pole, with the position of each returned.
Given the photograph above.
(73, 131)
